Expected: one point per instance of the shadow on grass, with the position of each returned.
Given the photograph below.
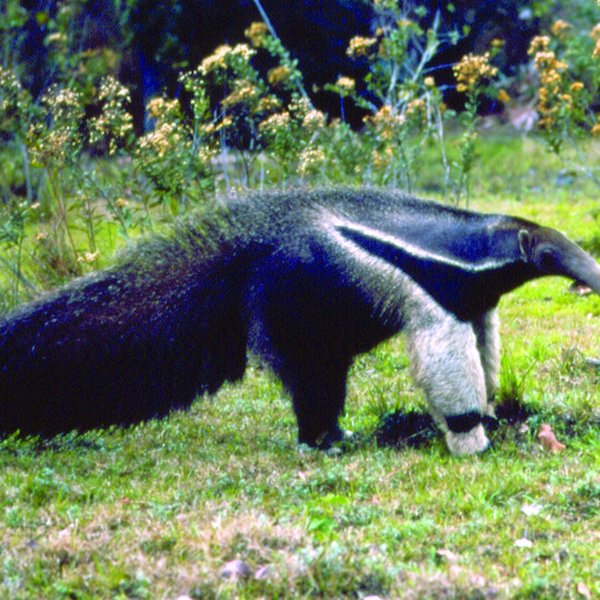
(415, 429)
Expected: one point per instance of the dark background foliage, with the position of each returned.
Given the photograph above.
(152, 42)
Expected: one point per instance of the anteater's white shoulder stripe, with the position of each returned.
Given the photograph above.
(341, 231)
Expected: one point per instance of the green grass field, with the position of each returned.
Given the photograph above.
(158, 510)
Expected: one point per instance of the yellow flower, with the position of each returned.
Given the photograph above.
(596, 129)
(497, 43)
(226, 122)
(595, 32)
(256, 33)
(278, 75)
(158, 108)
(310, 160)
(268, 103)
(243, 92)
(577, 86)
(314, 120)
(216, 60)
(471, 69)
(55, 37)
(360, 46)
(504, 96)
(275, 122)
(88, 257)
(404, 23)
(539, 42)
(346, 83)
(429, 81)
(559, 26)
(567, 98)
(415, 106)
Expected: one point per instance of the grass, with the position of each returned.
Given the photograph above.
(157, 510)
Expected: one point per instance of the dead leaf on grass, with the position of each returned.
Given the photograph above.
(584, 590)
(548, 439)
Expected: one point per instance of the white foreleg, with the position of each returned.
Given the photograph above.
(447, 365)
(487, 331)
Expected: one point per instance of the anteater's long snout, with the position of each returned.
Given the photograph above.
(573, 262)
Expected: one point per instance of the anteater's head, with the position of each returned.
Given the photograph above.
(551, 253)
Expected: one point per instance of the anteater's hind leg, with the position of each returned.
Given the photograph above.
(447, 365)
(318, 389)
(301, 323)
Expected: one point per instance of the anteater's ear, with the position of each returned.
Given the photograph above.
(525, 243)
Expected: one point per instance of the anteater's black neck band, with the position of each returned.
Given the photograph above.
(463, 423)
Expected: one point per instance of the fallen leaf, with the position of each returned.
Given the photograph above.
(236, 569)
(450, 556)
(531, 510)
(584, 590)
(262, 573)
(548, 439)
(581, 289)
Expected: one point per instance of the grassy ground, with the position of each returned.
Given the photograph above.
(158, 510)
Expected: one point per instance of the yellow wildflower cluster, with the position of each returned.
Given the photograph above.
(385, 121)
(88, 257)
(257, 33)
(111, 89)
(504, 96)
(471, 69)
(62, 141)
(273, 124)
(595, 35)
(551, 96)
(382, 160)
(160, 108)
(218, 59)
(268, 104)
(314, 120)
(161, 140)
(415, 107)
(114, 123)
(243, 92)
(11, 89)
(559, 27)
(64, 104)
(405, 23)
(360, 46)
(278, 75)
(224, 123)
(310, 160)
(346, 83)
(15, 102)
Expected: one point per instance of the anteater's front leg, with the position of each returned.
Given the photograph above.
(447, 365)
(487, 332)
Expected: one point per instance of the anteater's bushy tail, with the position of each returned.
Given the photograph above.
(129, 343)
